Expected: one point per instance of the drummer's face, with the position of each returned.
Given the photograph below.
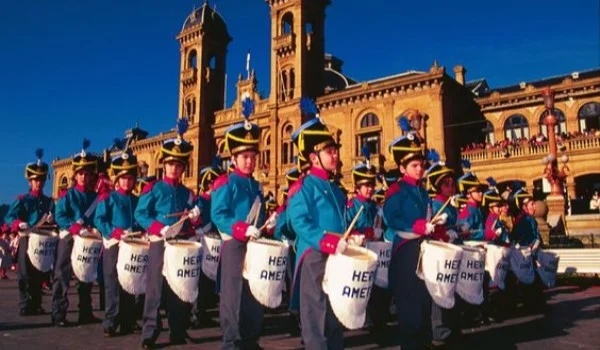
(329, 158)
(173, 169)
(413, 169)
(126, 183)
(447, 187)
(245, 162)
(530, 207)
(366, 190)
(83, 178)
(36, 185)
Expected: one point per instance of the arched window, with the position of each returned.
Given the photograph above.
(212, 63)
(488, 131)
(292, 83)
(265, 154)
(287, 148)
(308, 28)
(284, 85)
(561, 122)
(192, 61)
(589, 117)
(369, 134)
(189, 169)
(190, 109)
(516, 127)
(63, 184)
(287, 24)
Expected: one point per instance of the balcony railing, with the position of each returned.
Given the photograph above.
(285, 42)
(525, 150)
(189, 75)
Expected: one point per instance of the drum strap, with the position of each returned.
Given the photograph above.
(407, 235)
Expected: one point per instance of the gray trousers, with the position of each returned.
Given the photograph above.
(177, 310)
(60, 284)
(240, 314)
(413, 302)
(120, 305)
(320, 328)
(29, 279)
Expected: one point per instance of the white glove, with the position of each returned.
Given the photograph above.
(441, 219)
(452, 235)
(271, 221)
(23, 226)
(429, 228)
(341, 246)
(194, 214)
(356, 240)
(80, 221)
(167, 232)
(50, 218)
(377, 233)
(252, 232)
(84, 232)
(498, 231)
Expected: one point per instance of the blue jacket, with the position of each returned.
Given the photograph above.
(28, 208)
(116, 212)
(160, 199)
(203, 204)
(283, 231)
(406, 205)
(526, 231)
(472, 217)
(366, 220)
(72, 207)
(231, 200)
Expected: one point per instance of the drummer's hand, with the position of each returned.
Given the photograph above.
(377, 233)
(23, 226)
(452, 235)
(166, 232)
(84, 232)
(429, 228)
(118, 233)
(441, 219)
(50, 218)
(498, 231)
(194, 214)
(341, 246)
(271, 221)
(356, 240)
(252, 232)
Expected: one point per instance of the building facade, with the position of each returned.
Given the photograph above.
(358, 112)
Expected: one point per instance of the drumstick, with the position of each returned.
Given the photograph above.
(439, 212)
(175, 214)
(134, 234)
(347, 233)
(41, 222)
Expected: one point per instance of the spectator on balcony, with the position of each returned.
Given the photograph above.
(595, 203)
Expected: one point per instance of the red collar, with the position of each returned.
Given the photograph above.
(123, 192)
(172, 182)
(410, 181)
(440, 197)
(361, 198)
(80, 188)
(35, 194)
(320, 173)
(493, 215)
(238, 172)
(205, 195)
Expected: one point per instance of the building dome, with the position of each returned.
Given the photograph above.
(206, 17)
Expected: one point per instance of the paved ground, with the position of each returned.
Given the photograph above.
(573, 323)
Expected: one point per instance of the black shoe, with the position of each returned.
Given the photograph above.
(177, 341)
(25, 312)
(135, 327)
(109, 332)
(88, 319)
(148, 343)
(39, 311)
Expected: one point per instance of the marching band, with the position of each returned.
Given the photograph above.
(407, 246)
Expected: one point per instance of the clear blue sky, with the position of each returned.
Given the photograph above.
(72, 68)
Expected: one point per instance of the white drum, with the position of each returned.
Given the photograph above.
(132, 265)
(547, 266)
(348, 282)
(41, 250)
(211, 250)
(181, 268)
(521, 264)
(497, 264)
(383, 250)
(265, 268)
(85, 257)
(470, 278)
(439, 265)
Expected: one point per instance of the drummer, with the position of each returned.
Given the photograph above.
(364, 176)
(470, 218)
(24, 213)
(527, 234)
(496, 230)
(316, 212)
(74, 216)
(405, 212)
(206, 287)
(114, 219)
(237, 211)
(154, 213)
(441, 182)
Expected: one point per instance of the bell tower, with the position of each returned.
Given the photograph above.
(297, 49)
(203, 44)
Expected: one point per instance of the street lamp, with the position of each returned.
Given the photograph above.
(551, 172)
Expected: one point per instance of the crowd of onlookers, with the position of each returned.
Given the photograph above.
(8, 251)
(535, 140)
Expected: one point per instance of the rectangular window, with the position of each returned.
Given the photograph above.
(373, 140)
